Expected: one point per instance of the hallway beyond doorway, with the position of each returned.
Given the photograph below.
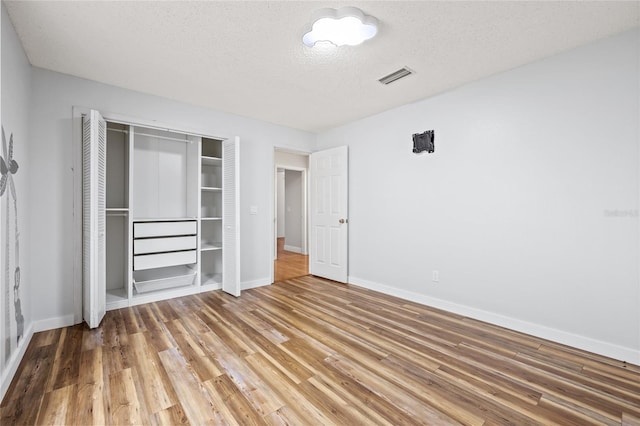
(289, 264)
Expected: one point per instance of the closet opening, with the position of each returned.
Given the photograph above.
(157, 214)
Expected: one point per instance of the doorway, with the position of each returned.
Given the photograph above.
(290, 229)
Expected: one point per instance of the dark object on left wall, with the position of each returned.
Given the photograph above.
(424, 142)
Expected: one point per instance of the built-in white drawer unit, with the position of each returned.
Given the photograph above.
(160, 260)
(160, 244)
(164, 228)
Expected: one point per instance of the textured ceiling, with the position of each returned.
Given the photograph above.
(248, 58)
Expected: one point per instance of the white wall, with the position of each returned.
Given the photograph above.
(15, 118)
(54, 95)
(528, 208)
(293, 210)
(280, 201)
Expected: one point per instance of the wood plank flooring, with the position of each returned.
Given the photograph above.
(289, 264)
(310, 351)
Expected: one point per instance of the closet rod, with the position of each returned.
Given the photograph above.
(151, 136)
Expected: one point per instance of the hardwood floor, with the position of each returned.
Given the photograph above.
(310, 351)
(289, 264)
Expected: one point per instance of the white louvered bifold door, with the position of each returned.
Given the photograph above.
(94, 163)
(231, 217)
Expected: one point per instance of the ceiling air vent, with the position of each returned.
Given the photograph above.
(396, 75)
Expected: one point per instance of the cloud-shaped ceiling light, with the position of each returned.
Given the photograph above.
(345, 26)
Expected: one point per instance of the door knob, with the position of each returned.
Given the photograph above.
(344, 221)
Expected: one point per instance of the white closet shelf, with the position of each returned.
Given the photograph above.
(211, 218)
(116, 213)
(117, 209)
(211, 189)
(211, 161)
(116, 295)
(211, 279)
(211, 245)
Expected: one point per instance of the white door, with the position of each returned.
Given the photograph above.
(329, 217)
(231, 217)
(94, 163)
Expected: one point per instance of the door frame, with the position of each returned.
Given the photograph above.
(273, 244)
(276, 200)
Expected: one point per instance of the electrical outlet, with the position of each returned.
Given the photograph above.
(435, 276)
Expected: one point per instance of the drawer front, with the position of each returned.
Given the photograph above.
(157, 245)
(164, 229)
(149, 261)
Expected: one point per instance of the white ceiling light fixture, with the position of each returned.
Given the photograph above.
(345, 26)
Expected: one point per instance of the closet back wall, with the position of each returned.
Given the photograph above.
(160, 177)
(54, 95)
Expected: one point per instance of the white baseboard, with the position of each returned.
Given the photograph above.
(246, 285)
(14, 362)
(53, 323)
(293, 249)
(577, 341)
